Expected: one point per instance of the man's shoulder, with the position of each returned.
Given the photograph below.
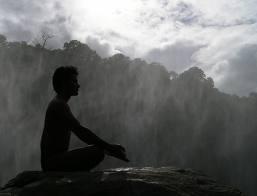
(56, 104)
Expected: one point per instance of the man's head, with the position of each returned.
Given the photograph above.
(65, 80)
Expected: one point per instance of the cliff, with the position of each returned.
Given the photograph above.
(120, 181)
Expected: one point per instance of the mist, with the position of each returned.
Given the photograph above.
(161, 117)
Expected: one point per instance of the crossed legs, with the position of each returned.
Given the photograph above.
(81, 159)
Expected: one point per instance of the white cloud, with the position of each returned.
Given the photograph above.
(103, 48)
(176, 57)
(241, 72)
(218, 57)
(25, 20)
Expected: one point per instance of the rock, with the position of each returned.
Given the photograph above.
(118, 182)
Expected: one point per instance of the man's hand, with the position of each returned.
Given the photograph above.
(117, 151)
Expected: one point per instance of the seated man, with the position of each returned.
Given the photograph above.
(59, 122)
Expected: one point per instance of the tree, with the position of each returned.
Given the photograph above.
(253, 94)
(173, 74)
(193, 73)
(45, 36)
(210, 82)
(3, 40)
(72, 45)
(42, 41)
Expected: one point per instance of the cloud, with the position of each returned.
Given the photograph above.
(241, 72)
(24, 20)
(176, 57)
(222, 54)
(103, 48)
(9, 28)
(182, 12)
(222, 12)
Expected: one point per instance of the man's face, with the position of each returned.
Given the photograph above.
(73, 86)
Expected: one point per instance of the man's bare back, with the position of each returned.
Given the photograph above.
(59, 122)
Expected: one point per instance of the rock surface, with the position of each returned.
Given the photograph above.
(120, 181)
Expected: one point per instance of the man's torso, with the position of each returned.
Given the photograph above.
(56, 133)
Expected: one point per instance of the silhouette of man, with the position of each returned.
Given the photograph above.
(59, 122)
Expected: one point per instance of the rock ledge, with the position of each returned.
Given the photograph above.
(119, 182)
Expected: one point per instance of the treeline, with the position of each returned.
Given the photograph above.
(163, 118)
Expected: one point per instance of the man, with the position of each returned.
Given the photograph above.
(59, 122)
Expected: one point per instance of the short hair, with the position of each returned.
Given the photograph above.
(62, 75)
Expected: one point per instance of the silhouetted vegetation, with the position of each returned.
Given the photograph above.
(163, 118)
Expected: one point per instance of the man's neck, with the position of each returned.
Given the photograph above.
(63, 97)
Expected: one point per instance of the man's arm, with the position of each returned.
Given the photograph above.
(89, 137)
(81, 132)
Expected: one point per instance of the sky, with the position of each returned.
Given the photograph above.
(218, 36)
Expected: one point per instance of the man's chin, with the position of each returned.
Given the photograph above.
(75, 94)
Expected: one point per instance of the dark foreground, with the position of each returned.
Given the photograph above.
(120, 181)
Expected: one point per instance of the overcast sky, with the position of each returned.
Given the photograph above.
(218, 36)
